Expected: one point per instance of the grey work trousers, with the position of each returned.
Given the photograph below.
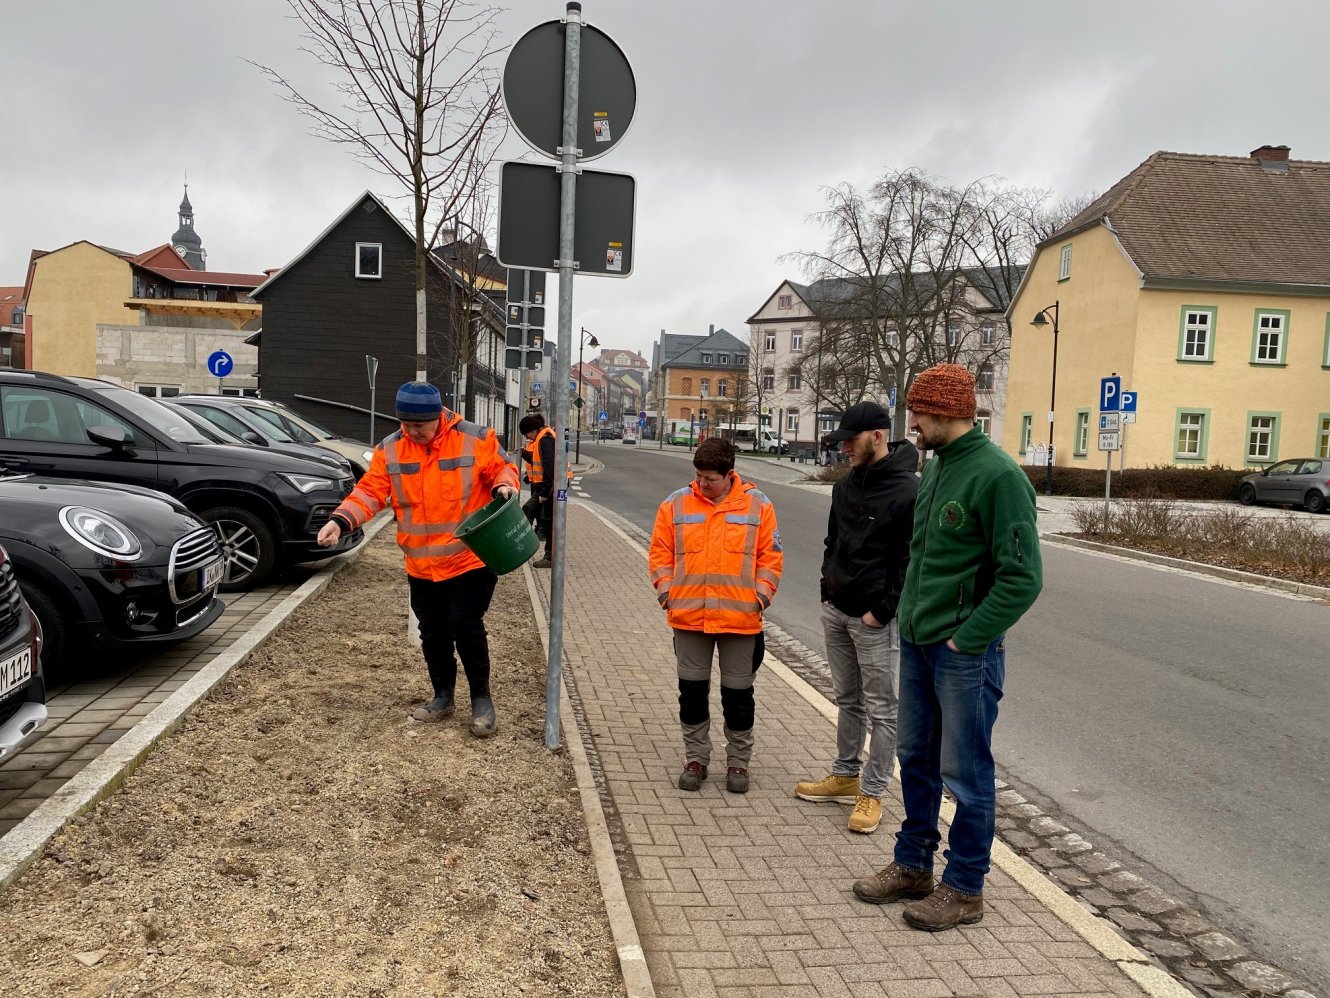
(863, 664)
(693, 651)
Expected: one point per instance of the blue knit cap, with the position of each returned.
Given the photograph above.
(418, 402)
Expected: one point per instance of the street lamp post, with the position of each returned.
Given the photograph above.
(1039, 322)
(586, 339)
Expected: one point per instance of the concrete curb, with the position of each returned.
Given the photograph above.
(623, 928)
(1096, 931)
(1195, 567)
(24, 843)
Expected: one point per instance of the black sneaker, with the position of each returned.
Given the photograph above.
(692, 776)
(436, 710)
(736, 780)
(542, 563)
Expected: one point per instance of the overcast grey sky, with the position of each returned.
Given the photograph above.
(745, 110)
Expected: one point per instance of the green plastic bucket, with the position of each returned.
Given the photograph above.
(500, 535)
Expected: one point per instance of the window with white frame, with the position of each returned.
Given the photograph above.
(1197, 333)
(1269, 338)
(1082, 433)
(706, 387)
(953, 333)
(768, 379)
(722, 388)
(706, 358)
(797, 339)
(785, 301)
(1064, 269)
(983, 381)
(1191, 434)
(1261, 439)
(248, 393)
(988, 332)
(741, 360)
(984, 420)
(159, 391)
(1323, 438)
(770, 344)
(792, 421)
(893, 338)
(793, 383)
(369, 260)
(1027, 431)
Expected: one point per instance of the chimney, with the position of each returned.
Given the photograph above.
(1271, 159)
(711, 329)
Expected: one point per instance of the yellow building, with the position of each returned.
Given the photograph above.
(1204, 282)
(701, 380)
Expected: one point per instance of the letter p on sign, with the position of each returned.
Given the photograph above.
(1110, 394)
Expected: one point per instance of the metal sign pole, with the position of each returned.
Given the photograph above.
(566, 265)
(1108, 487)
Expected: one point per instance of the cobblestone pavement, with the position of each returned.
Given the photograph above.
(750, 895)
(93, 708)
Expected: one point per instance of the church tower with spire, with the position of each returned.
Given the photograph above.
(186, 241)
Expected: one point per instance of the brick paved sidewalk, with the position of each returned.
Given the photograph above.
(750, 895)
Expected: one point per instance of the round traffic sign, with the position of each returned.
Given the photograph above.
(533, 90)
(220, 364)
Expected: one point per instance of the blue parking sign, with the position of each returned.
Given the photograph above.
(1110, 394)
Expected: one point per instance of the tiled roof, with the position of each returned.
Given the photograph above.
(1183, 217)
(11, 296)
(720, 340)
(177, 275)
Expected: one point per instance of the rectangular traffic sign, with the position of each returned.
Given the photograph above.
(526, 287)
(606, 210)
(1110, 394)
(1129, 400)
(1128, 417)
(517, 359)
(1110, 441)
(1108, 421)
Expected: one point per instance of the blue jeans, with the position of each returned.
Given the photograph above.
(948, 704)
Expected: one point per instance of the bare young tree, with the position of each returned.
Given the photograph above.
(417, 99)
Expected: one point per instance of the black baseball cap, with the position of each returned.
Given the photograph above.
(857, 418)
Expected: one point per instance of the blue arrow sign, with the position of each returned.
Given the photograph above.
(220, 364)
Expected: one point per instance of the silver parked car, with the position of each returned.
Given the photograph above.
(1301, 481)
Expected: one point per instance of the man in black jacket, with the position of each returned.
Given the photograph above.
(863, 571)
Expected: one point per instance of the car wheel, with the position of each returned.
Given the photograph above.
(771, 450)
(248, 545)
(1247, 494)
(57, 639)
(1315, 502)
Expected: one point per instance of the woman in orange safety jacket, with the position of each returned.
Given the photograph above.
(436, 470)
(715, 563)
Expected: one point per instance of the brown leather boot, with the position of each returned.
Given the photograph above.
(895, 883)
(945, 908)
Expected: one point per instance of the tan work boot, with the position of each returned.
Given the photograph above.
(895, 883)
(840, 789)
(945, 908)
(866, 814)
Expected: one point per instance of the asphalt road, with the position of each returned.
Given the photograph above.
(1180, 722)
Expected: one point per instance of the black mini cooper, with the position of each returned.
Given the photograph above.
(107, 567)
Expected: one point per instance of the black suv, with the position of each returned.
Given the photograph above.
(266, 508)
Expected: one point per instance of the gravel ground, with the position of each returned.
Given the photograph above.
(300, 835)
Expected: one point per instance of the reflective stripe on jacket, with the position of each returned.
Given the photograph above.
(716, 566)
(432, 488)
(539, 474)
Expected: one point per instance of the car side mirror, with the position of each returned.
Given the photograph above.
(251, 437)
(1265, 472)
(113, 437)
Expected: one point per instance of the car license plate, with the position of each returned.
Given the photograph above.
(15, 671)
(212, 574)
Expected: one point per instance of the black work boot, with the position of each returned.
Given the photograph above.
(483, 721)
(436, 710)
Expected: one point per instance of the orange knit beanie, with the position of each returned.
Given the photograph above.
(943, 390)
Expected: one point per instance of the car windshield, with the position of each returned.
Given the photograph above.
(213, 432)
(160, 417)
(320, 432)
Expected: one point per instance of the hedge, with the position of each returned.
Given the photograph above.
(1157, 482)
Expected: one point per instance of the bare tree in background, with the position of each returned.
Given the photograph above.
(418, 101)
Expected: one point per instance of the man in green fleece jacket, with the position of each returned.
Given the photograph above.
(974, 570)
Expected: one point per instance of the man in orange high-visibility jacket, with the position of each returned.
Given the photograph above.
(715, 563)
(540, 460)
(436, 470)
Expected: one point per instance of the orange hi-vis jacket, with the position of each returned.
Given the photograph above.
(432, 489)
(539, 474)
(716, 565)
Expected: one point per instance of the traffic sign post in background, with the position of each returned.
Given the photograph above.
(220, 365)
(570, 94)
(1110, 411)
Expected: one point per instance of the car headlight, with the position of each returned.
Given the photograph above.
(101, 532)
(367, 456)
(307, 483)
